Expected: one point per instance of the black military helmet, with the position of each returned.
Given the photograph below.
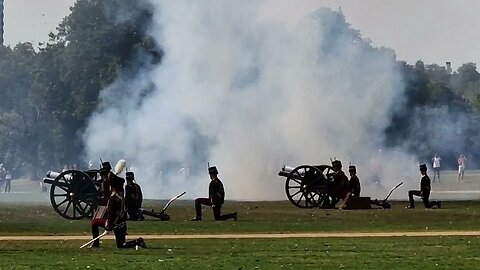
(106, 167)
(352, 168)
(423, 167)
(336, 163)
(129, 176)
(212, 170)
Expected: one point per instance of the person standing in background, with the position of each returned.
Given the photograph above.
(8, 181)
(3, 174)
(461, 166)
(436, 167)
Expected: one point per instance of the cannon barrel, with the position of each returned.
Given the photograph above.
(51, 175)
(285, 171)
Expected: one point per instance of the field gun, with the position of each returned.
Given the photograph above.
(74, 194)
(309, 186)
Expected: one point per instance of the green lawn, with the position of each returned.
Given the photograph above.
(38, 218)
(336, 253)
(253, 217)
(279, 216)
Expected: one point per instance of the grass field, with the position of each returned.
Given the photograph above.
(299, 253)
(440, 252)
(339, 253)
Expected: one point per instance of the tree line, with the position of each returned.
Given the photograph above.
(48, 94)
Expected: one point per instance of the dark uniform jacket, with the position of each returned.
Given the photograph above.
(340, 184)
(425, 185)
(216, 192)
(133, 196)
(354, 186)
(116, 203)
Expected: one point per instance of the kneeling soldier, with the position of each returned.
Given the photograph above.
(424, 192)
(115, 212)
(216, 197)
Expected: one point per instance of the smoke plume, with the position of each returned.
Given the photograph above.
(249, 95)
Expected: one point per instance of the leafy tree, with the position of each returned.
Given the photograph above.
(46, 96)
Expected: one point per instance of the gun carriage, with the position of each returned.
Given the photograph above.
(308, 186)
(74, 194)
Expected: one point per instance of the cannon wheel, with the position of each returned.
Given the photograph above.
(74, 195)
(306, 187)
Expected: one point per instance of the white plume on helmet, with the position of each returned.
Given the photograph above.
(121, 164)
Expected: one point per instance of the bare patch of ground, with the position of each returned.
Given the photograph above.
(252, 235)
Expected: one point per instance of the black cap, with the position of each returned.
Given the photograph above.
(212, 170)
(129, 176)
(423, 167)
(336, 163)
(106, 167)
(352, 168)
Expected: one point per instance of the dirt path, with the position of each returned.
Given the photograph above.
(253, 235)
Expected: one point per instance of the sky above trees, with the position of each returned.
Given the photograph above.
(434, 31)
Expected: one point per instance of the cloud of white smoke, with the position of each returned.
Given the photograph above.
(249, 95)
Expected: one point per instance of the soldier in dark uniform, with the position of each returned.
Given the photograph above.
(133, 198)
(115, 214)
(424, 192)
(339, 186)
(216, 197)
(354, 183)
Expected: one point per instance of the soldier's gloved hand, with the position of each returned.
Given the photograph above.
(108, 227)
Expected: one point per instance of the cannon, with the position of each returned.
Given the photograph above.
(307, 186)
(74, 194)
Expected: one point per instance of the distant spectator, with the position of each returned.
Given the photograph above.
(436, 167)
(3, 173)
(461, 166)
(8, 180)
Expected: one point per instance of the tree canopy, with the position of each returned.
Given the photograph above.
(47, 95)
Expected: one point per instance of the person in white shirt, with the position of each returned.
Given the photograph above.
(461, 166)
(436, 167)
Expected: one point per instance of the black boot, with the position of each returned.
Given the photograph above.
(140, 242)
